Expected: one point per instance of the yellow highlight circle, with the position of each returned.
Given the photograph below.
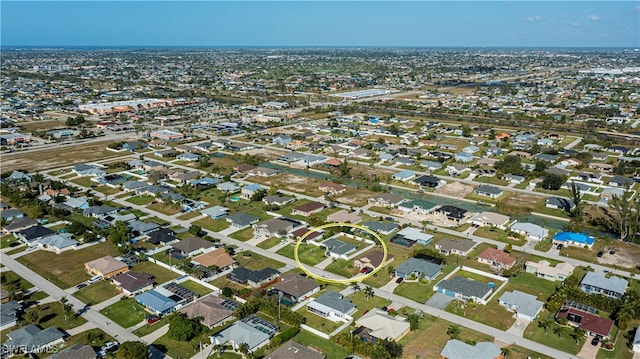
(340, 281)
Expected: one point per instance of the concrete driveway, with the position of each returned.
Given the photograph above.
(588, 351)
(439, 300)
(518, 327)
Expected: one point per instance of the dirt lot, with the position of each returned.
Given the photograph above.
(298, 184)
(455, 189)
(522, 201)
(355, 197)
(627, 255)
(57, 157)
(42, 125)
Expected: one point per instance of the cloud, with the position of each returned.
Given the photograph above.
(575, 24)
(594, 18)
(534, 18)
(636, 10)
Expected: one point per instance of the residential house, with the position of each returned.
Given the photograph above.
(525, 306)
(240, 220)
(132, 283)
(293, 350)
(253, 331)
(142, 228)
(332, 188)
(457, 169)
(453, 214)
(312, 238)
(11, 214)
(332, 306)
(414, 235)
(99, 211)
(157, 302)
(620, 181)
(338, 249)
(76, 351)
(187, 156)
(403, 176)
(514, 179)
(384, 228)
(489, 219)
(249, 191)
(31, 339)
(215, 212)
(419, 268)
(464, 288)
(544, 270)
(228, 187)
(372, 260)
(212, 310)
(344, 216)
(530, 231)
(273, 227)
(431, 165)
(427, 181)
(564, 204)
(586, 318)
(419, 206)
(386, 200)
(294, 288)
(573, 239)
(134, 146)
(612, 287)
(84, 169)
(378, 324)
(218, 258)
(455, 349)
(106, 266)
(464, 157)
(191, 246)
(461, 247)
(19, 224)
(161, 236)
(496, 258)
(489, 191)
(308, 209)
(32, 234)
(57, 242)
(254, 278)
(9, 314)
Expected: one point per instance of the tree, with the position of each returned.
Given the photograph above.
(545, 324)
(368, 292)
(414, 321)
(182, 328)
(195, 229)
(391, 271)
(627, 212)
(453, 332)
(67, 308)
(505, 352)
(576, 195)
(227, 292)
(132, 350)
(578, 333)
(355, 286)
(560, 330)
(244, 349)
(552, 181)
(32, 316)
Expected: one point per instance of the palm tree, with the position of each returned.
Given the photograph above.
(453, 332)
(355, 286)
(506, 352)
(560, 331)
(32, 316)
(545, 324)
(391, 271)
(578, 333)
(368, 292)
(244, 349)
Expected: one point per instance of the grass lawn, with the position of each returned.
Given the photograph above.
(243, 235)
(544, 245)
(342, 267)
(17, 250)
(268, 243)
(67, 268)
(415, 291)
(379, 278)
(8, 241)
(150, 328)
(189, 215)
(318, 322)
(329, 348)
(518, 352)
(308, 253)
(165, 208)
(363, 304)
(83, 181)
(529, 283)
(492, 314)
(126, 312)
(107, 190)
(430, 338)
(18, 282)
(160, 274)
(498, 235)
(97, 292)
(180, 349)
(141, 200)
(83, 338)
(224, 282)
(196, 288)
(215, 225)
(566, 343)
(255, 261)
(52, 315)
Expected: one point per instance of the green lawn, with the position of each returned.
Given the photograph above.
(12, 278)
(255, 261)
(52, 315)
(67, 268)
(415, 291)
(342, 267)
(363, 304)
(160, 274)
(126, 312)
(308, 253)
(268, 243)
(243, 235)
(97, 292)
(329, 348)
(318, 322)
(551, 339)
(529, 283)
(8, 240)
(214, 225)
(518, 352)
(492, 314)
(189, 215)
(180, 349)
(141, 200)
(150, 328)
(498, 235)
(84, 181)
(196, 288)
(83, 338)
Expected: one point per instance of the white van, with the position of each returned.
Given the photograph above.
(95, 279)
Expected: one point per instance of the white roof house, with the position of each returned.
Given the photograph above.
(383, 326)
(525, 305)
(544, 270)
(530, 230)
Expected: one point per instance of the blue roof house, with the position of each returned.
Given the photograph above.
(156, 302)
(404, 176)
(418, 267)
(464, 157)
(573, 239)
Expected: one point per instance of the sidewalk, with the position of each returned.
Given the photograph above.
(77, 330)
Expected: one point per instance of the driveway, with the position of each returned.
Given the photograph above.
(518, 327)
(588, 351)
(439, 301)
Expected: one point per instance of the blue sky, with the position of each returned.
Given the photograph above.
(321, 23)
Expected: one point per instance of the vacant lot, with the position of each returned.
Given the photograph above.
(160, 274)
(516, 203)
(255, 261)
(492, 314)
(66, 269)
(298, 184)
(52, 315)
(42, 125)
(97, 293)
(626, 255)
(126, 312)
(455, 189)
(61, 156)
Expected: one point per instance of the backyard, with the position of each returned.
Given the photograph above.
(550, 338)
(307, 253)
(255, 261)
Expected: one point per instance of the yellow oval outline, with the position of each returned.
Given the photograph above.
(340, 281)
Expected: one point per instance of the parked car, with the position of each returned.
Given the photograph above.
(152, 319)
(399, 280)
(613, 251)
(81, 285)
(595, 341)
(363, 270)
(110, 346)
(560, 245)
(599, 255)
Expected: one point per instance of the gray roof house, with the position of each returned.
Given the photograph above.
(241, 220)
(332, 306)
(32, 338)
(525, 305)
(76, 351)
(464, 288)
(462, 247)
(253, 278)
(613, 287)
(228, 187)
(215, 212)
(97, 211)
(530, 230)
(421, 268)
(241, 332)
(560, 203)
(338, 248)
(293, 350)
(9, 314)
(381, 227)
(489, 191)
(455, 349)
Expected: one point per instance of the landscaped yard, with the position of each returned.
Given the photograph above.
(268, 243)
(83, 181)
(196, 288)
(67, 268)
(255, 261)
(364, 304)
(529, 283)
(97, 292)
(307, 253)
(415, 291)
(165, 208)
(214, 225)
(83, 338)
(243, 235)
(19, 283)
(141, 200)
(492, 314)
(318, 322)
(329, 348)
(150, 328)
(160, 274)
(498, 234)
(52, 315)
(550, 338)
(181, 349)
(126, 312)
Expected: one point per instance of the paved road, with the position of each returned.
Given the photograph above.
(95, 318)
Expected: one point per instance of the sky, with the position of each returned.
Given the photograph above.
(321, 23)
